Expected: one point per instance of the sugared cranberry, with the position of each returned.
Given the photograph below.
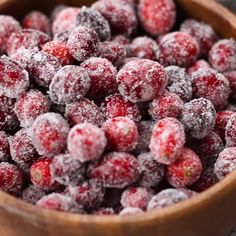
(86, 142)
(83, 43)
(198, 117)
(22, 57)
(121, 133)
(115, 170)
(49, 132)
(38, 21)
(141, 80)
(104, 211)
(231, 77)
(167, 140)
(179, 49)
(190, 193)
(230, 131)
(32, 194)
(130, 211)
(200, 64)
(29, 106)
(222, 55)
(209, 84)
(62, 37)
(121, 39)
(155, 21)
(4, 147)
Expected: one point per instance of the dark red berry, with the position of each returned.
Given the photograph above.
(32, 194)
(230, 131)
(4, 147)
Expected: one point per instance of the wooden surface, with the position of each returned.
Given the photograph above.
(212, 213)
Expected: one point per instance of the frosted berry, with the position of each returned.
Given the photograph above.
(179, 49)
(230, 131)
(121, 133)
(222, 55)
(115, 170)
(231, 77)
(4, 147)
(209, 84)
(121, 39)
(102, 76)
(198, 117)
(32, 194)
(190, 193)
(167, 141)
(155, 21)
(11, 180)
(62, 37)
(38, 21)
(104, 211)
(83, 43)
(14, 80)
(49, 132)
(93, 19)
(22, 57)
(29, 106)
(116, 105)
(198, 65)
(130, 211)
(83, 111)
(69, 84)
(141, 80)
(86, 142)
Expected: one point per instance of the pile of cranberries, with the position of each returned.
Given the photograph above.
(96, 118)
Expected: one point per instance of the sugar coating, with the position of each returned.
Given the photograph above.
(190, 193)
(231, 77)
(230, 131)
(167, 141)
(32, 194)
(62, 37)
(4, 146)
(141, 80)
(22, 56)
(197, 65)
(130, 211)
(121, 39)
(69, 84)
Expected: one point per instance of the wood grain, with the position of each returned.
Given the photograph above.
(212, 213)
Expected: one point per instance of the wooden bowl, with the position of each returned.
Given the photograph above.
(211, 213)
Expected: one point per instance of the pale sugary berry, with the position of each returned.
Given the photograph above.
(230, 131)
(11, 180)
(144, 47)
(115, 170)
(83, 111)
(121, 39)
(130, 211)
(83, 43)
(167, 105)
(60, 51)
(116, 105)
(225, 163)
(65, 20)
(69, 84)
(4, 147)
(141, 80)
(222, 55)
(9, 25)
(29, 106)
(121, 17)
(102, 76)
(204, 34)
(152, 171)
(166, 198)
(59, 202)
(136, 197)
(167, 141)
(104, 211)
(86, 142)
(14, 80)
(42, 67)
(179, 49)
(179, 82)
(231, 77)
(26, 39)
(21, 147)
(185, 171)
(121, 133)
(49, 132)
(22, 57)
(190, 193)
(210, 84)
(66, 170)
(198, 65)
(38, 21)
(198, 117)
(93, 19)
(32, 194)
(157, 16)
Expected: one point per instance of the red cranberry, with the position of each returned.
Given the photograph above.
(11, 180)
(157, 16)
(198, 117)
(121, 133)
(32, 194)
(198, 65)
(49, 132)
(115, 170)
(104, 211)
(179, 49)
(141, 80)
(230, 131)
(102, 75)
(86, 142)
(222, 55)
(130, 211)
(167, 140)
(29, 106)
(83, 43)
(38, 21)
(4, 147)
(231, 77)
(209, 84)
